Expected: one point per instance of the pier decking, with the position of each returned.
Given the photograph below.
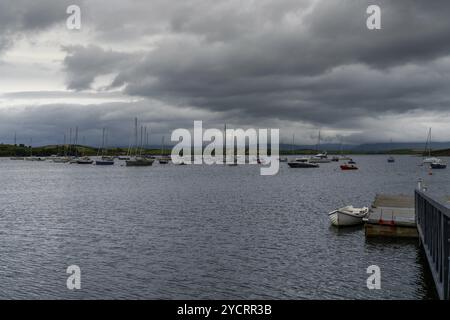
(391, 216)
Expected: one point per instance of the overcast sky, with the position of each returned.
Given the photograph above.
(297, 65)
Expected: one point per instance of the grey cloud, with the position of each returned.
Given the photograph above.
(84, 64)
(22, 16)
(279, 61)
(254, 62)
(47, 124)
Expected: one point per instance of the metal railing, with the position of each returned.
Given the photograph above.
(433, 225)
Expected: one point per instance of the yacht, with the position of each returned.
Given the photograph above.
(429, 159)
(138, 160)
(299, 163)
(320, 158)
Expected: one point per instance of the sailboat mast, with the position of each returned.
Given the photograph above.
(292, 146)
(142, 141)
(145, 138)
(106, 141)
(429, 145)
(103, 141)
(162, 146)
(318, 143)
(135, 135)
(76, 141)
(225, 143)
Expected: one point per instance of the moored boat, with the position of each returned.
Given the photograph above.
(349, 166)
(316, 159)
(139, 162)
(438, 165)
(164, 160)
(348, 216)
(61, 160)
(302, 164)
(34, 159)
(105, 161)
(85, 160)
(430, 159)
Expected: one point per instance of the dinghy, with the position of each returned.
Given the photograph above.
(348, 216)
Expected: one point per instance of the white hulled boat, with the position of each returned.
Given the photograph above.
(348, 216)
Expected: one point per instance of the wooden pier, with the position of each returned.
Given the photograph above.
(391, 216)
(433, 225)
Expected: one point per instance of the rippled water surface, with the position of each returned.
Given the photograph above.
(196, 232)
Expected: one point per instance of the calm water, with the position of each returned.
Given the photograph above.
(195, 232)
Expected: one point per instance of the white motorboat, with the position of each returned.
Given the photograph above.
(431, 160)
(317, 159)
(302, 164)
(348, 216)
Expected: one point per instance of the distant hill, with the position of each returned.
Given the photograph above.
(440, 149)
(400, 147)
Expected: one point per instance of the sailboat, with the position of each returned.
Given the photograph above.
(163, 159)
(320, 157)
(105, 160)
(391, 159)
(31, 158)
(137, 160)
(295, 163)
(430, 159)
(15, 150)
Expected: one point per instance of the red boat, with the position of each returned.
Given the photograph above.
(349, 167)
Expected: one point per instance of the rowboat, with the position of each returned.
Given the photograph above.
(348, 216)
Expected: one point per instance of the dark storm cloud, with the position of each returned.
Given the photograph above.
(47, 124)
(260, 62)
(314, 61)
(83, 64)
